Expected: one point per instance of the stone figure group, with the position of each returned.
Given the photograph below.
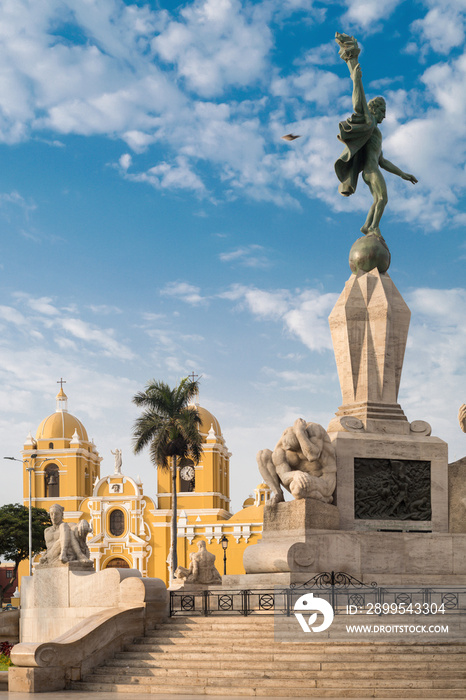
(303, 462)
(389, 489)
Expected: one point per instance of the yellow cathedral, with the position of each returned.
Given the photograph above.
(131, 529)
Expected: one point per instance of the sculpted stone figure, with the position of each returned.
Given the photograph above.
(201, 568)
(303, 461)
(65, 542)
(118, 461)
(462, 417)
(363, 142)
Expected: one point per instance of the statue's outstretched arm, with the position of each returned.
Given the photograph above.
(359, 96)
(391, 168)
(349, 52)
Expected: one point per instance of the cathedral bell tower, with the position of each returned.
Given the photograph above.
(66, 463)
(203, 489)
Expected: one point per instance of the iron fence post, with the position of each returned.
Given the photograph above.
(245, 602)
(205, 603)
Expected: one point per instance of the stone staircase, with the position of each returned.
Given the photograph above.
(238, 656)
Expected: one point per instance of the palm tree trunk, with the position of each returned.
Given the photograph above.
(174, 534)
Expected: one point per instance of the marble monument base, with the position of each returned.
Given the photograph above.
(295, 550)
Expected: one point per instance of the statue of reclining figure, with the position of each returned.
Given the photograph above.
(65, 542)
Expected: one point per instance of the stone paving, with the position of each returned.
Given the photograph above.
(77, 695)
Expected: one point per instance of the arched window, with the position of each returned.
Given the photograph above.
(51, 481)
(50, 445)
(116, 523)
(117, 564)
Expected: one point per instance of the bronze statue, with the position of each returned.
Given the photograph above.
(363, 142)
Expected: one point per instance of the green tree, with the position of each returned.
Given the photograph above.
(169, 427)
(14, 535)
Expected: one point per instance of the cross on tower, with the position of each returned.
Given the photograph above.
(61, 381)
(193, 376)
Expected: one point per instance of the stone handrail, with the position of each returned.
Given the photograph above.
(82, 641)
(51, 665)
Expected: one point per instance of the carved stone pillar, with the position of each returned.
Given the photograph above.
(369, 326)
(391, 474)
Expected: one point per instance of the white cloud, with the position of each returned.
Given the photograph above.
(366, 13)
(216, 43)
(12, 315)
(184, 291)
(433, 147)
(443, 27)
(309, 319)
(304, 313)
(248, 256)
(105, 309)
(312, 84)
(260, 302)
(433, 383)
(16, 199)
(102, 339)
(125, 161)
(171, 176)
(295, 380)
(48, 314)
(43, 305)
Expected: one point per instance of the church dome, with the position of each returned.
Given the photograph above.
(61, 424)
(208, 420)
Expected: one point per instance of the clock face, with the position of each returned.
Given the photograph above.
(187, 473)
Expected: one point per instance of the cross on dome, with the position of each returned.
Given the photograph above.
(62, 399)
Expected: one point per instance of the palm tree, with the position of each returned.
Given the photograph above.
(169, 426)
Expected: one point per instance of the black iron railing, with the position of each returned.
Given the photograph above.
(339, 589)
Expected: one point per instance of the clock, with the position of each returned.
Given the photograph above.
(187, 473)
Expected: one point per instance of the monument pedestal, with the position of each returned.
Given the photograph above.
(296, 554)
(287, 526)
(387, 481)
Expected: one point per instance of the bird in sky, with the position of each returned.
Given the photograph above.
(291, 137)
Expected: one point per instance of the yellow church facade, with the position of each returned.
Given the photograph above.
(131, 529)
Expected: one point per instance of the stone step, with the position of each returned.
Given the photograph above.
(237, 652)
(231, 691)
(159, 661)
(175, 661)
(317, 647)
(231, 656)
(115, 667)
(247, 681)
(186, 637)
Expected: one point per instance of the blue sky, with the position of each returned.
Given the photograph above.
(154, 223)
